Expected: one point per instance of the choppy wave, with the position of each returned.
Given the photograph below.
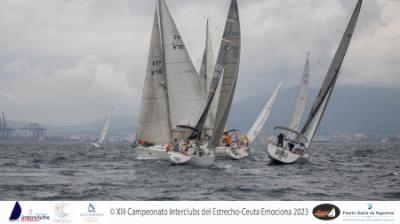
(77, 172)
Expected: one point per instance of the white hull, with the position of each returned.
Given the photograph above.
(204, 160)
(282, 155)
(96, 145)
(235, 154)
(157, 152)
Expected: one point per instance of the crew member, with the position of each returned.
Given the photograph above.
(227, 139)
(281, 137)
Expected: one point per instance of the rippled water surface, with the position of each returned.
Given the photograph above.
(78, 172)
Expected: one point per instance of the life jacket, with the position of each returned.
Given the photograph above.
(228, 139)
(168, 148)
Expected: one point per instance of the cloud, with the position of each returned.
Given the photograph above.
(86, 91)
(67, 61)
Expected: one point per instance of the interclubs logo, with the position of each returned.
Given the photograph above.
(326, 212)
(16, 212)
(17, 215)
(60, 210)
(92, 214)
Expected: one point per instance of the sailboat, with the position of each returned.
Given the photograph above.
(98, 143)
(297, 111)
(240, 149)
(289, 151)
(172, 94)
(199, 150)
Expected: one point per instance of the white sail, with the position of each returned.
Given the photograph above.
(321, 102)
(103, 133)
(300, 103)
(153, 125)
(206, 75)
(185, 97)
(309, 134)
(262, 118)
(230, 74)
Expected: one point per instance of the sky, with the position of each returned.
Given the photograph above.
(65, 62)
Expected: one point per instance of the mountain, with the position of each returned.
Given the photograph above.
(120, 125)
(350, 109)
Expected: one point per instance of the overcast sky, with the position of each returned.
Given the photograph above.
(69, 61)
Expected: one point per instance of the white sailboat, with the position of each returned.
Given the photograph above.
(198, 150)
(240, 149)
(295, 147)
(98, 143)
(172, 94)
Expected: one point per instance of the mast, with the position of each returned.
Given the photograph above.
(206, 75)
(321, 102)
(227, 44)
(301, 99)
(230, 75)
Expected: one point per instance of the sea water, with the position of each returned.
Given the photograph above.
(79, 172)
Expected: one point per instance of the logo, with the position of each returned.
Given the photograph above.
(91, 208)
(92, 215)
(326, 212)
(369, 206)
(16, 212)
(61, 214)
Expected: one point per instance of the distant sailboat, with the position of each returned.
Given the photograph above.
(98, 143)
(280, 150)
(198, 151)
(240, 149)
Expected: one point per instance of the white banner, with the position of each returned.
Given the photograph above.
(186, 212)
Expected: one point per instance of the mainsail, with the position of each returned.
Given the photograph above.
(230, 73)
(103, 133)
(262, 118)
(300, 103)
(185, 97)
(321, 102)
(153, 125)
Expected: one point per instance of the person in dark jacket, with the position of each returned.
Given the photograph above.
(281, 137)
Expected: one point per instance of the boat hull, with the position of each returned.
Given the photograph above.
(281, 155)
(204, 160)
(96, 145)
(157, 152)
(235, 154)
